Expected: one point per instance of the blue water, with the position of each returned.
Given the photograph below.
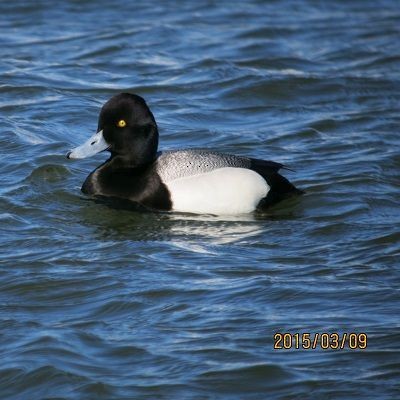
(99, 303)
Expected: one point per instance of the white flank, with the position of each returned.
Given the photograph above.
(221, 191)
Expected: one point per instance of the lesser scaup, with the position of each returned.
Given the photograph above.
(195, 181)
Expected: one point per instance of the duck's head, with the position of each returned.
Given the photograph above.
(126, 128)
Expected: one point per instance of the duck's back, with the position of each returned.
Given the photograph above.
(175, 164)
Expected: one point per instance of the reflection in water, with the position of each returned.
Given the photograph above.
(118, 223)
(211, 230)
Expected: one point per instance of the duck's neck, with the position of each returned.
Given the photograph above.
(121, 161)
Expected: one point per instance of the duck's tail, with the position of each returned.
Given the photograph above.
(280, 187)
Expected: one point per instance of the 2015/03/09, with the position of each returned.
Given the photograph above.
(325, 341)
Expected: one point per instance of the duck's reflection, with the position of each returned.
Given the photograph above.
(119, 220)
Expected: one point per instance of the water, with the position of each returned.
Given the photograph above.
(98, 303)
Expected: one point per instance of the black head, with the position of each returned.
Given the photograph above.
(129, 128)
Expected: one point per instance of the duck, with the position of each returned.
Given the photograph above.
(198, 181)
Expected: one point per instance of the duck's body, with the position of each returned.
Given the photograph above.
(197, 181)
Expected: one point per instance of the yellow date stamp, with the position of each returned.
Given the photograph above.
(324, 341)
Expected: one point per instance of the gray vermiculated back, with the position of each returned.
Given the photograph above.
(183, 163)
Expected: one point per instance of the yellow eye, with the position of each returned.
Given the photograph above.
(121, 123)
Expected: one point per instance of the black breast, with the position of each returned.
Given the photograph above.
(140, 184)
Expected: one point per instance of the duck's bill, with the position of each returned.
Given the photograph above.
(92, 146)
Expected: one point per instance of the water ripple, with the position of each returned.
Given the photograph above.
(100, 301)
